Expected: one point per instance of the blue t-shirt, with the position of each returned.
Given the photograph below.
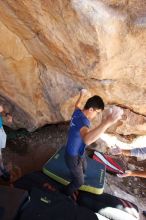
(1, 121)
(75, 144)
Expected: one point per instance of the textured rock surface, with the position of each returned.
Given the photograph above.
(49, 48)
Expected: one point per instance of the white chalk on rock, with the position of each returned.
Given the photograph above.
(117, 112)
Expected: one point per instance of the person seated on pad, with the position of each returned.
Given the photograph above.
(136, 152)
(80, 135)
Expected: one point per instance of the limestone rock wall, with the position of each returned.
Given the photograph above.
(50, 48)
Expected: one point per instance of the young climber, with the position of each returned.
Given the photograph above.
(80, 135)
(3, 172)
(136, 152)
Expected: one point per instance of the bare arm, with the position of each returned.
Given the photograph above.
(139, 173)
(136, 152)
(90, 136)
(79, 100)
(134, 173)
(126, 152)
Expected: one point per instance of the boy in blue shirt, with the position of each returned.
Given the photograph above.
(80, 135)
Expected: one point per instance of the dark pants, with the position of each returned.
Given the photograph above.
(77, 167)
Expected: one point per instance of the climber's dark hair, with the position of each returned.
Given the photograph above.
(94, 102)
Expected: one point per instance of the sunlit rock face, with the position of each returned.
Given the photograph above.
(50, 48)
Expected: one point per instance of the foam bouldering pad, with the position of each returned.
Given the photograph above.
(94, 176)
